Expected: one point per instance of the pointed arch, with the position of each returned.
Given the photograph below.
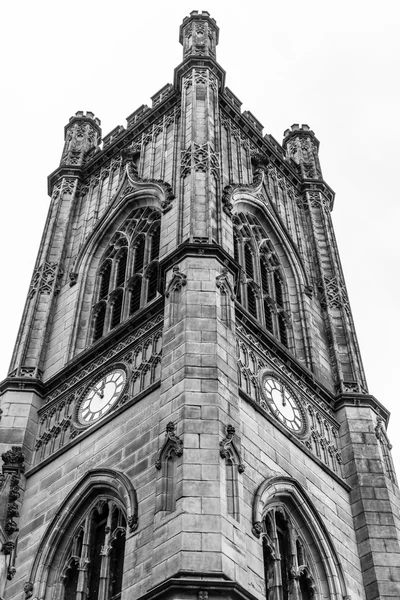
(122, 244)
(280, 275)
(97, 487)
(322, 569)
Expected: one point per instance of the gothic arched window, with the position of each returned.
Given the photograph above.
(98, 543)
(288, 574)
(300, 560)
(260, 287)
(127, 278)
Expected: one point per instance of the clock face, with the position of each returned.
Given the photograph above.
(283, 404)
(101, 396)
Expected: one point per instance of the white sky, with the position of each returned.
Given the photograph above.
(333, 65)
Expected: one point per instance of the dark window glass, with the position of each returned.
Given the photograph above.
(99, 323)
(139, 255)
(152, 286)
(116, 311)
(121, 268)
(248, 259)
(155, 244)
(105, 280)
(135, 296)
(251, 302)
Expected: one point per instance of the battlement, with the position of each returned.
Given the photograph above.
(196, 16)
(296, 128)
(80, 114)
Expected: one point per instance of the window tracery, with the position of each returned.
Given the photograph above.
(261, 287)
(288, 575)
(127, 278)
(94, 559)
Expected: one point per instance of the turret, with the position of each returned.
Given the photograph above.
(302, 146)
(199, 35)
(82, 134)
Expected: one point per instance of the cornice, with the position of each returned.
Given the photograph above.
(200, 62)
(22, 384)
(362, 401)
(192, 584)
(63, 171)
(197, 249)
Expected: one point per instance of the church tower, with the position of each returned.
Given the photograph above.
(186, 414)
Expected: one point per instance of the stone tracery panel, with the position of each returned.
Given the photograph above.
(142, 356)
(252, 357)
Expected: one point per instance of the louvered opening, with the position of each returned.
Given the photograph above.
(282, 330)
(121, 268)
(116, 311)
(278, 289)
(248, 259)
(105, 281)
(155, 244)
(264, 278)
(139, 255)
(99, 323)
(268, 317)
(251, 302)
(152, 287)
(135, 297)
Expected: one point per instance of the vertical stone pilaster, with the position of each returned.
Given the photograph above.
(375, 516)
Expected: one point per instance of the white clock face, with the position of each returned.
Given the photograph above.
(101, 396)
(283, 404)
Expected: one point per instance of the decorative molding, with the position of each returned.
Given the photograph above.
(228, 448)
(13, 467)
(223, 283)
(137, 183)
(172, 442)
(46, 279)
(177, 281)
(201, 158)
(235, 189)
(321, 440)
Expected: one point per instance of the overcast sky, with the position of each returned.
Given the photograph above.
(332, 65)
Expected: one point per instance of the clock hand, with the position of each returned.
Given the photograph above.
(101, 389)
(283, 397)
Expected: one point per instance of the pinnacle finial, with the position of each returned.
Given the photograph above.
(199, 35)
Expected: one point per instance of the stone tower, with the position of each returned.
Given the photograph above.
(186, 413)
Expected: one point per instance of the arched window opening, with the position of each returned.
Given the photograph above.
(261, 275)
(288, 573)
(100, 545)
(278, 289)
(139, 255)
(99, 320)
(105, 280)
(282, 329)
(136, 290)
(153, 283)
(155, 244)
(251, 301)
(132, 249)
(248, 259)
(121, 268)
(268, 317)
(116, 310)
